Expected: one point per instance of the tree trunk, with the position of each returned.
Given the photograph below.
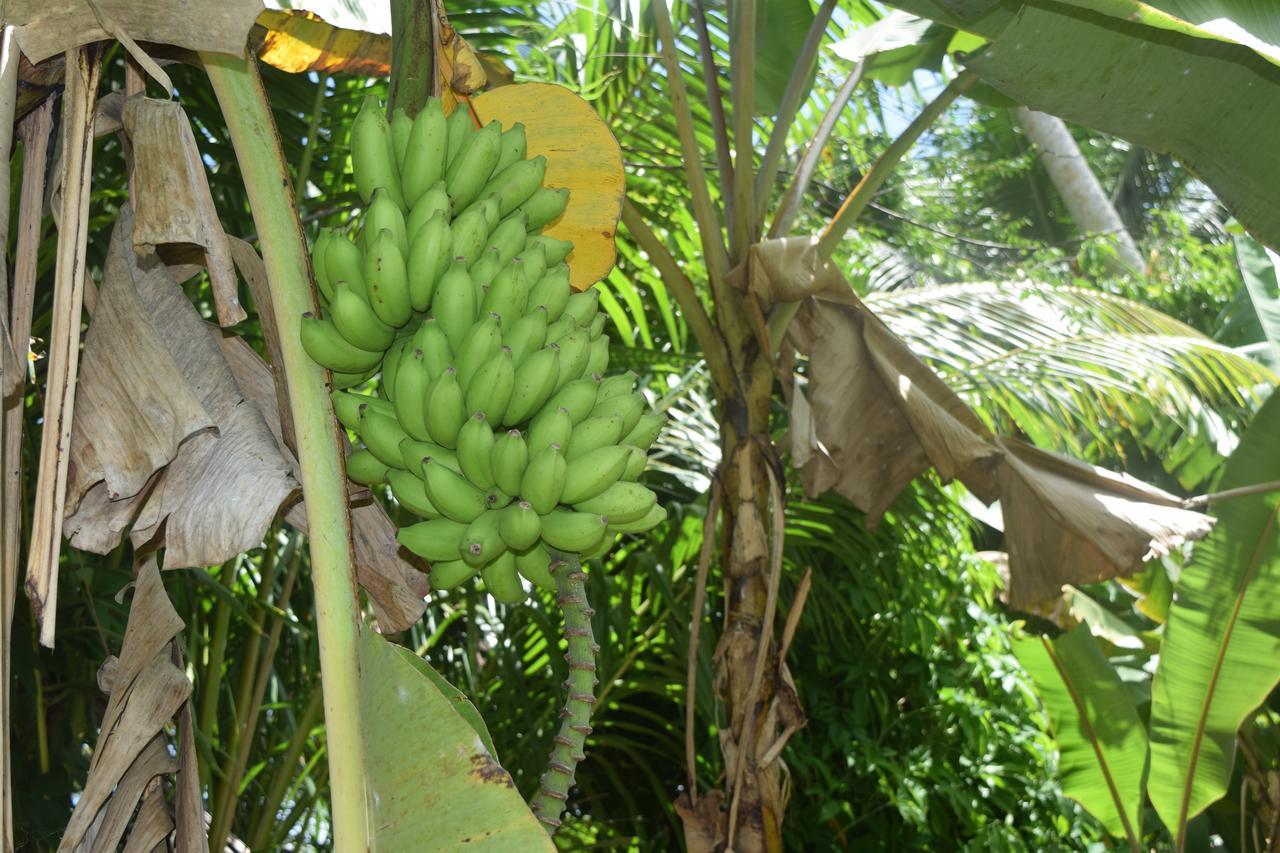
(1079, 187)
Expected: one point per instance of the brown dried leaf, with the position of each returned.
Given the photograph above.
(174, 214)
(153, 761)
(704, 823)
(1071, 523)
(46, 27)
(152, 825)
(789, 270)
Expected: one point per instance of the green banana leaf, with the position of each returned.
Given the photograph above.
(1214, 103)
(1221, 653)
(1233, 21)
(1101, 740)
(781, 27)
(1260, 269)
(433, 781)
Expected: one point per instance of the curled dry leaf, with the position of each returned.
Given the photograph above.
(582, 155)
(222, 489)
(46, 27)
(173, 209)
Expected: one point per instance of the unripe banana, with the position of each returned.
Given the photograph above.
(646, 430)
(391, 362)
(428, 143)
(319, 271)
(412, 384)
(469, 232)
(482, 543)
(575, 350)
(461, 128)
(579, 397)
(612, 386)
(413, 452)
(592, 433)
(629, 407)
(597, 325)
(470, 170)
(438, 539)
(346, 406)
(560, 328)
(451, 493)
(545, 206)
(484, 270)
(591, 473)
(428, 259)
(621, 503)
(382, 434)
(475, 451)
(543, 480)
(514, 147)
(410, 493)
(344, 261)
(655, 516)
(535, 381)
(510, 458)
(551, 426)
(454, 304)
(384, 215)
(364, 468)
(434, 200)
(356, 322)
(557, 250)
(534, 564)
(566, 530)
(447, 574)
(507, 295)
(445, 411)
(435, 347)
(501, 580)
(520, 526)
(387, 281)
(603, 547)
(514, 185)
(528, 335)
(582, 306)
(508, 238)
(636, 462)
(328, 348)
(490, 389)
(401, 127)
(373, 154)
(480, 343)
(495, 498)
(552, 290)
(342, 381)
(534, 258)
(489, 208)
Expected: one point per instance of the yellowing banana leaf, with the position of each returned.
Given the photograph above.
(299, 41)
(582, 155)
(432, 783)
(1101, 740)
(1221, 653)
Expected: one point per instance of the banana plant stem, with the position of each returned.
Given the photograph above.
(253, 134)
(575, 717)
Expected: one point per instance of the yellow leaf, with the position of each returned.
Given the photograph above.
(581, 155)
(299, 41)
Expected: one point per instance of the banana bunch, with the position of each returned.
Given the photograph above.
(494, 420)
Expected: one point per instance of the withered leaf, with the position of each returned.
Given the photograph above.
(153, 761)
(152, 825)
(298, 41)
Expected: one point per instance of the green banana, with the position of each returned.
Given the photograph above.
(364, 468)
(319, 271)
(460, 128)
(356, 322)
(579, 397)
(557, 250)
(412, 452)
(480, 343)
(401, 127)
(582, 306)
(508, 294)
(428, 259)
(655, 516)
(344, 261)
(629, 407)
(454, 304)
(636, 462)
(592, 433)
(612, 386)
(490, 388)
(342, 381)
(382, 434)
(597, 357)
(428, 142)
(551, 426)
(445, 412)
(520, 526)
(545, 206)
(543, 480)
(566, 530)
(373, 154)
(527, 335)
(347, 407)
(437, 539)
(328, 348)
(391, 365)
(603, 547)
(435, 347)
(495, 498)
(508, 238)
(484, 270)
(575, 350)
(535, 381)
(501, 580)
(646, 430)
(468, 233)
(594, 471)
(534, 564)
(475, 450)
(597, 325)
(560, 328)
(514, 185)
(510, 458)
(411, 386)
(534, 258)
(451, 493)
(552, 290)
(387, 281)
(514, 147)
(447, 574)
(384, 215)
(482, 543)
(434, 200)
(621, 503)
(411, 494)
(469, 171)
